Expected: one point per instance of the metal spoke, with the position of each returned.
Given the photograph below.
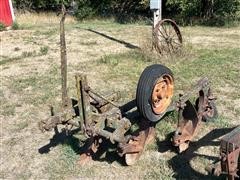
(170, 30)
(167, 36)
(162, 34)
(177, 43)
(163, 26)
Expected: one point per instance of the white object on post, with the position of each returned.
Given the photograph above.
(156, 7)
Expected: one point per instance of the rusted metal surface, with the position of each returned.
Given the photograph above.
(83, 100)
(162, 94)
(229, 162)
(167, 37)
(95, 123)
(63, 59)
(108, 124)
(230, 151)
(136, 143)
(103, 105)
(187, 126)
(190, 116)
(92, 147)
(67, 114)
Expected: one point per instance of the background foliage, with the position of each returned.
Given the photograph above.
(129, 10)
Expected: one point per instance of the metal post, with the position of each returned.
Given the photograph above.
(63, 59)
(83, 100)
(80, 105)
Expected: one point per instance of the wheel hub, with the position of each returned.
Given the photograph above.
(162, 94)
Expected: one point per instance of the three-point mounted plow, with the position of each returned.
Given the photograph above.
(100, 118)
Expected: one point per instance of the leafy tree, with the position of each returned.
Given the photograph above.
(123, 10)
(205, 8)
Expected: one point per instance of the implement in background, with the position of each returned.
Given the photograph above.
(229, 163)
(167, 38)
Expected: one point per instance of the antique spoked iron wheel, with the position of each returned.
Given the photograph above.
(167, 37)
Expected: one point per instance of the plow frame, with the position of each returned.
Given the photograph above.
(98, 117)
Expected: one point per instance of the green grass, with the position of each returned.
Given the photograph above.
(8, 110)
(100, 24)
(42, 87)
(25, 54)
(222, 122)
(47, 33)
(22, 125)
(66, 163)
(2, 26)
(15, 25)
(44, 50)
(221, 66)
(155, 172)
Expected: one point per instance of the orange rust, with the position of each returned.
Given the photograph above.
(85, 158)
(93, 144)
(135, 146)
(187, 127)
(162, 94)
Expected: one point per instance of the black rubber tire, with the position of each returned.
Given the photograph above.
(145, 87)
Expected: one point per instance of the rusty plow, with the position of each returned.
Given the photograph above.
(100, 118)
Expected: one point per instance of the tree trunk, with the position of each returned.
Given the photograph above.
(207, 9)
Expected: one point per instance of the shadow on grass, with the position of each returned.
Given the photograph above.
(64, 137)
(61, 138)
(180, 163)
(128, 45)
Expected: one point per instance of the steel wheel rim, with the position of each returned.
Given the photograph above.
(162, 94)
(167, 37)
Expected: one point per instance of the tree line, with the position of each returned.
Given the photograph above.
(130, 10)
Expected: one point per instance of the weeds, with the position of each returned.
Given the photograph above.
(136, 56)
(110, 60)
(44, 50)
(222, 122)
(8, 110)
(21, 126)
(2, 27)
(47, 33)
(15, 25)
(24, 54)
